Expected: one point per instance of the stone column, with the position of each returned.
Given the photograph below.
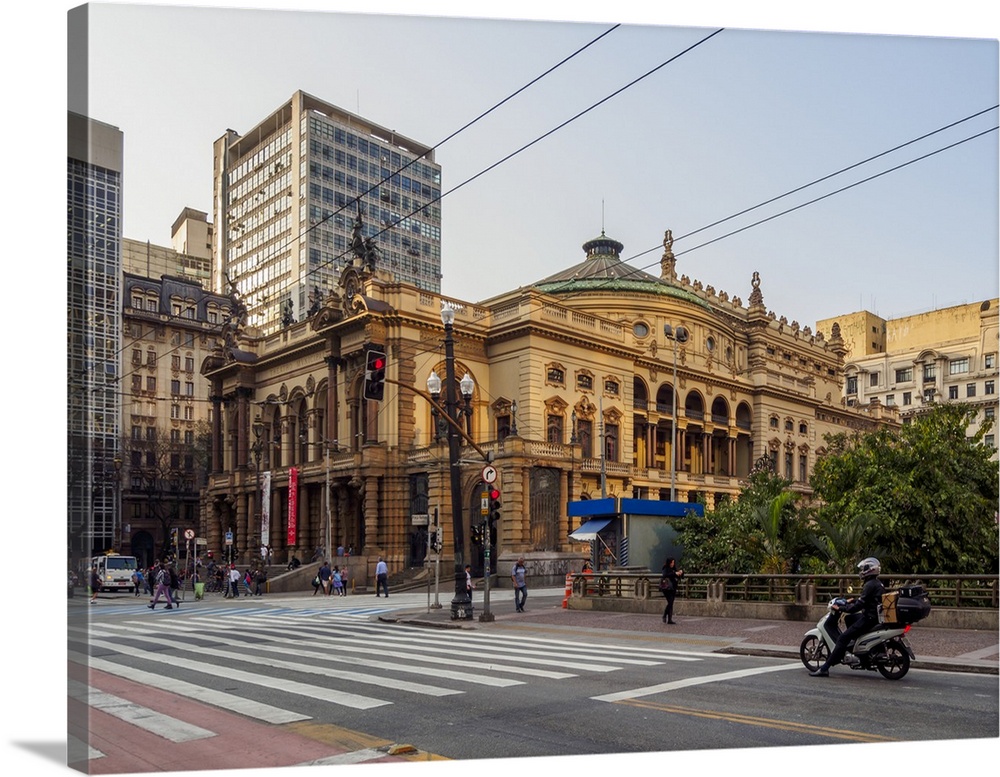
(372, 536)
(217, 444)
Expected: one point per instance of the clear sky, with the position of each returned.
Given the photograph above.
(744, 117)
(741, 119)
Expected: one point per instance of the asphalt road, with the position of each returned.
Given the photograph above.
(277, 681)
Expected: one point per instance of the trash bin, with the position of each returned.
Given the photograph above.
(199, 590)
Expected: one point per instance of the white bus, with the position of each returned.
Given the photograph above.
(115, 572)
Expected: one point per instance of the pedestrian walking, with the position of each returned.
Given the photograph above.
(468, 581)
(520, 585)
(138, 582)
(381, 578)
(343, 579)
(260, 579)
(174, 585)
(234, 581)
(338, 582)
(668, 586)
(325, 573)
(248, 582)
(95, 583)
(162, 582)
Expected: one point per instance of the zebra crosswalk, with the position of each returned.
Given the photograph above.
(280, 666)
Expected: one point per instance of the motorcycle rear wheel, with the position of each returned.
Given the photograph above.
(813, 652)
(895, 663)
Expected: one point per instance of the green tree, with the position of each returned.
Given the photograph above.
(841, 545)
(774, 541)
(928, 491)
(761, 532)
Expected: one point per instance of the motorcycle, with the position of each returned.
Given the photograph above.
(884, 648)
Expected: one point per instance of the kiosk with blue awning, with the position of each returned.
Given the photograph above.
(630, 532)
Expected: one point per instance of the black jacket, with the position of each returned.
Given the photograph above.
(869, 601)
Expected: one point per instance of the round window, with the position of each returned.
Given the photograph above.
(710, 343)
(640, 329)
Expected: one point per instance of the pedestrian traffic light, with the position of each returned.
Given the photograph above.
(432, 537)
(375, 372)
(477, 534)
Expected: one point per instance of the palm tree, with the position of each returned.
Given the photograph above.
(842, 545)
(771, 516)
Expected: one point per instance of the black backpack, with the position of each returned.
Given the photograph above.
(174, 582)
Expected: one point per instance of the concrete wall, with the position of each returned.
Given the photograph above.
(939, 618)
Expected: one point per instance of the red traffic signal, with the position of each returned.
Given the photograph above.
(375, 362)
(494, 511)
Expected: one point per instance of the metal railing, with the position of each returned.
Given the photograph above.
(960, 591)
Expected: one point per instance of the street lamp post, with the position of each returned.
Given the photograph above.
(116, 518)
(678, 335)
(258, 447)
(461, 604)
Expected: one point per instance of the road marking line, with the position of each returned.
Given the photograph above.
(783, 725)
(227, 701)
(136, 715)
(354, 757)
(475, 652)
(331, 695)
(323, 654)
(364, 647)
(75, 746)
(692, 681)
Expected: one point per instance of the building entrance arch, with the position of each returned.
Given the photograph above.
(142, 548)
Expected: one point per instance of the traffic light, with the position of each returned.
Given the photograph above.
(477, 534)
(375, 372)
(432, 537)
(494, 506)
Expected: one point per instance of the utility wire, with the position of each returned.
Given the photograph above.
(413, 161)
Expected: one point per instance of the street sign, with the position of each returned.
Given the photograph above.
(189, 534)
(420, 519)
(229, 538)
(489, 474)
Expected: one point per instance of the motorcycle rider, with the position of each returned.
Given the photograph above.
(866, 605)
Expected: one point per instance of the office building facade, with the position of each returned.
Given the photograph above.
(170, 325)
(94, 202)
(286, 195)
(912, 362)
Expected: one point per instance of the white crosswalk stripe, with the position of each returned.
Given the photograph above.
(333, 656)
(137, 715)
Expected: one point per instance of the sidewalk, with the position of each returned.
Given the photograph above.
(942, 649)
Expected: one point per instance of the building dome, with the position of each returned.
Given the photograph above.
(604, 271)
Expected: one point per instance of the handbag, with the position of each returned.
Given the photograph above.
(666, 584)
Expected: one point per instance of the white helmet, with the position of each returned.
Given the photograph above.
(869, 567)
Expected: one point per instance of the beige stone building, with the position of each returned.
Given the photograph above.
(911, 362)
(573, 399)
(170, 323)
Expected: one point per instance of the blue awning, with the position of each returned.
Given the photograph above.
(590, 529)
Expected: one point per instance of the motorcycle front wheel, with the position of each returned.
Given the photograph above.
(813, 652)
(895, 663)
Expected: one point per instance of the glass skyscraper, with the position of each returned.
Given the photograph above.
(94, 210)
(286, 195)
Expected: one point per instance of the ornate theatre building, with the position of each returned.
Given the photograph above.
(598, 381)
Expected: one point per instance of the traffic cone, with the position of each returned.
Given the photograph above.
(569, 590)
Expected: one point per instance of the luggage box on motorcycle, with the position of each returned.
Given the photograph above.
(910, 609)
(907, 605)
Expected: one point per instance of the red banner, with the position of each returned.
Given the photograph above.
(293, 504)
